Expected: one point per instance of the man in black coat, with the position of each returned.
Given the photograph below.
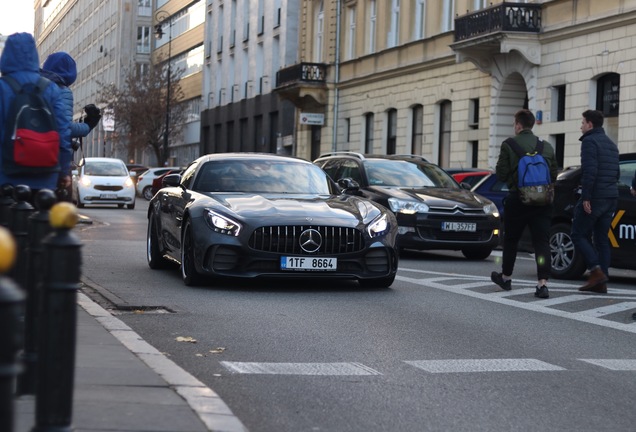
(599, 197)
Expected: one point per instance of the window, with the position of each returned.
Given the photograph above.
(143, 40)
(347, 130)
(444, 133)
(558, 102)
(391, 136)
(473, 114)
(368, 133)
(608, 94)
(419, 27)
(394, 30)
(232, 23)
(319, 23)
(372, 23)
(351, 35)
(144, 8)
(219, 31)
(448, 15)
(417, 129)
(246, 20)
(473, 147)
(480, 4)
(261, 17)
(189, 62)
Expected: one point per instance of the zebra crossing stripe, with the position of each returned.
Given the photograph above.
(613, 364)
(608, 310)
(483, 365)
(299, 368)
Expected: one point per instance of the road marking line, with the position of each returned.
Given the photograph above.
(608, 310)
(534, 306)
(564, 299)
(299, 368)
(615, 365)
(484, 365)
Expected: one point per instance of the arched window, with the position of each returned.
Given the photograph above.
(608, 94)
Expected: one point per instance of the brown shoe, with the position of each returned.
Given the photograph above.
(596, 282)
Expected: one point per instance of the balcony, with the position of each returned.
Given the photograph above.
(498, 29)
(305, 84)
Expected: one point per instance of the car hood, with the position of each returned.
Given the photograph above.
(291, 209)
(435, 197)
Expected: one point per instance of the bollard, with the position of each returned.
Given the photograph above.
(19, 225)
(6, 200)
(38, 228)
(58, 321)
(11, 310)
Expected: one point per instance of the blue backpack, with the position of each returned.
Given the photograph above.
(31, 142)
(535, 185)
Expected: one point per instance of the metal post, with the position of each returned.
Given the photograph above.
(6, 200)
(11, 331)
(58, 322)
(19, 226)
(161, 17)
(38, 227)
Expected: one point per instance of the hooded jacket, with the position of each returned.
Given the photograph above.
(20, 60)
(60, 68)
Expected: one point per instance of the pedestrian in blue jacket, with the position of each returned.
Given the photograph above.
(20, 61)
(61, 68)
(599, 198)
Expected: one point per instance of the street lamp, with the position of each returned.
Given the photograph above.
(162, 17)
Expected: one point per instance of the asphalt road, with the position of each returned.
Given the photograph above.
(442, 350)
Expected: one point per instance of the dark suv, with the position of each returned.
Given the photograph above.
(567, 263)
(432, 210)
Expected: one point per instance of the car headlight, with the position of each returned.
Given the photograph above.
(85, 181)
(407, 206)
(129, 183)
(379, 226)
(491, 209)
(222, 224)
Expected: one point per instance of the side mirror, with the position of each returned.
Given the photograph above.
(465, 185)
(171, 180)
(349, 185)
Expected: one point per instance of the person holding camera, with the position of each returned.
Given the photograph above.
(60, 68)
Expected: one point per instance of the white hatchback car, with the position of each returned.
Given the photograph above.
(144, 180)
(104, 181)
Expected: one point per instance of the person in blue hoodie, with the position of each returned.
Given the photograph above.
(60, 68)
(20, 61)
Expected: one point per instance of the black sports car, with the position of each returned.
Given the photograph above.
(254, 215)
(432, 210)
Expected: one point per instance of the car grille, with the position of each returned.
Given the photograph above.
(108, 188)
(286, 239)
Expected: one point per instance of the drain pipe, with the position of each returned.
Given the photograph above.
(336, 80)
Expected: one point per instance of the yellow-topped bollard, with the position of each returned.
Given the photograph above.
(7, 250)
(63, 215)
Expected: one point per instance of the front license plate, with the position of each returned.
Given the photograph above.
(108, 196)
(459, 226)
(308, 264)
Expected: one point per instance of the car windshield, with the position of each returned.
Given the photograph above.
(382, 172)
(261, 176)
(105, 168)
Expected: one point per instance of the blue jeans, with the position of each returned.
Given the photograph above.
(589, 232)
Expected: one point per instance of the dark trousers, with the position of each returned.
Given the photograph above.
(537, 218)
(589, 232)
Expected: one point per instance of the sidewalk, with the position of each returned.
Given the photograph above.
(124, 384)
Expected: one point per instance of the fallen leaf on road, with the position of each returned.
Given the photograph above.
(218, 350)
(199, 355)
(185, 339)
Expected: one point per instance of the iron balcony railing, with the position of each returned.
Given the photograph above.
(507, 17)
(302, 72)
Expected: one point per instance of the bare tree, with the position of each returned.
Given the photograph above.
(140, 111)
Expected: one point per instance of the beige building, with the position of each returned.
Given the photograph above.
(443, 78)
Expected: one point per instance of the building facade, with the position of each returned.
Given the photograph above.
(444, 78)
(246, 43)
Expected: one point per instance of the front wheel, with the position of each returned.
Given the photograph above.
(566, 261)
(477, 253)
(147, 192)
(189, 272)
(156, 261)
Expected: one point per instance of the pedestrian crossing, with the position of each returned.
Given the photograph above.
(615, 309)
(438, 366)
